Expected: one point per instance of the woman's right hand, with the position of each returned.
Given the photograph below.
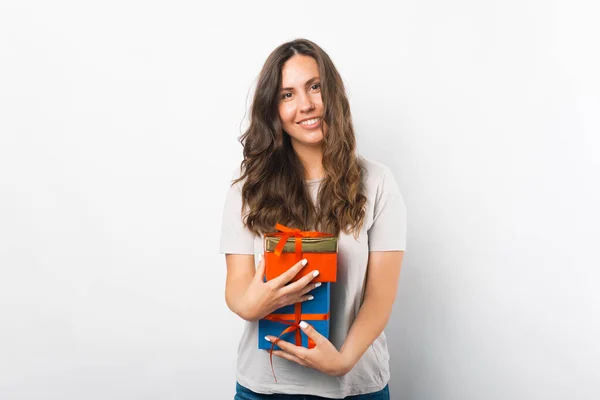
(262, 298)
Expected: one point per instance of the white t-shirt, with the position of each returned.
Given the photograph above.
(384, 229)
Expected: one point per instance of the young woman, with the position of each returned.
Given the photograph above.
(301, 169)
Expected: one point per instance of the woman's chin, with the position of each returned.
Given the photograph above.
(308, 142)
(308, 138)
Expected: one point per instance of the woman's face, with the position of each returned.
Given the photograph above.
(300, 104)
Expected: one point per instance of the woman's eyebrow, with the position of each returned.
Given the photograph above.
(308, 82)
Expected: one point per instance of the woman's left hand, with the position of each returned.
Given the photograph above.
(323, 357)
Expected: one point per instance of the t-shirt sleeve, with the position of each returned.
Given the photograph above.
(235, 237)
(388, 230)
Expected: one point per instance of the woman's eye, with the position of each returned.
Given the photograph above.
(285, 95)
(318, 86)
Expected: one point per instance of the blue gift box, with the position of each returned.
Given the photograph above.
(319, 305)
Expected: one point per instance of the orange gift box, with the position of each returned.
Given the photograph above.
(285, 248)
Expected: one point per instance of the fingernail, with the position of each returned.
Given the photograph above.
(267, 339)
(304, 261)
(311, 297)
(315, 273)
(317, 284)
(260, 257)
(303, 325)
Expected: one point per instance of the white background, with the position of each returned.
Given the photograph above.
(118, 135)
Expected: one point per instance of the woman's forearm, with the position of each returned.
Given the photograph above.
(375, 311)
(234, 295)
(368, 325)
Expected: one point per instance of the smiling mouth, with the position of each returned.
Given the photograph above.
(309, 122)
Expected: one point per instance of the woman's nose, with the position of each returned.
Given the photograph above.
(306, 103)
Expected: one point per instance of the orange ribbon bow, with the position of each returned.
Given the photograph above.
(298, 235)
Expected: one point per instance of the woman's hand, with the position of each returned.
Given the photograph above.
(262, 298)
(323, 357)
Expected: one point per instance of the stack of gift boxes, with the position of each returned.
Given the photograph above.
(282, 250)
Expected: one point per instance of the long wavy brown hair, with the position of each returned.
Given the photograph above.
(274, 190)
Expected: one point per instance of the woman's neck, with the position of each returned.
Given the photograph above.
(312, 160)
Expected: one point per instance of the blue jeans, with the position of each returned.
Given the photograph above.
(243, 393)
